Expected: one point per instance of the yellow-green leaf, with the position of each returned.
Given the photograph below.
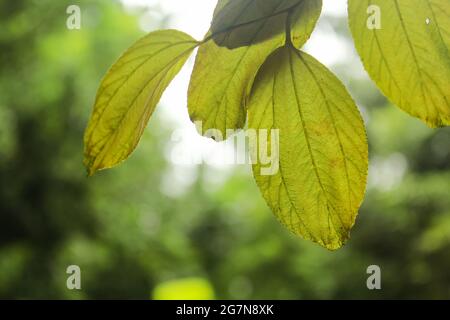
(129, 94)
(404, 45)
(323, 151)
(222, 77)
(303, 20)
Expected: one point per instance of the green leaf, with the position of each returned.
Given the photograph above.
(236, 22)
(303, 20)
(408, 57)
(222, 77)
(323, 151)
(129, 94)
(219, 6)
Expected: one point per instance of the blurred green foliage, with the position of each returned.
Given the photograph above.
(132, 239)
(184, 289)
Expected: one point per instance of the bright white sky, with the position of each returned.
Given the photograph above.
(194, 17)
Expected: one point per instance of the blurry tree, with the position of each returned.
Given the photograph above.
(129, 235)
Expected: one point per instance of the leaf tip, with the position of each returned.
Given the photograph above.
(90, 170)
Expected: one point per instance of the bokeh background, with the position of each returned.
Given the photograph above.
(152, 228)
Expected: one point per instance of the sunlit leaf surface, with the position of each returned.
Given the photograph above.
(323, 152)
(408, 55)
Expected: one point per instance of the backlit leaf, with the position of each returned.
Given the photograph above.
(323, 151)
(408, 55)
(222, 77)
(129, 94)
